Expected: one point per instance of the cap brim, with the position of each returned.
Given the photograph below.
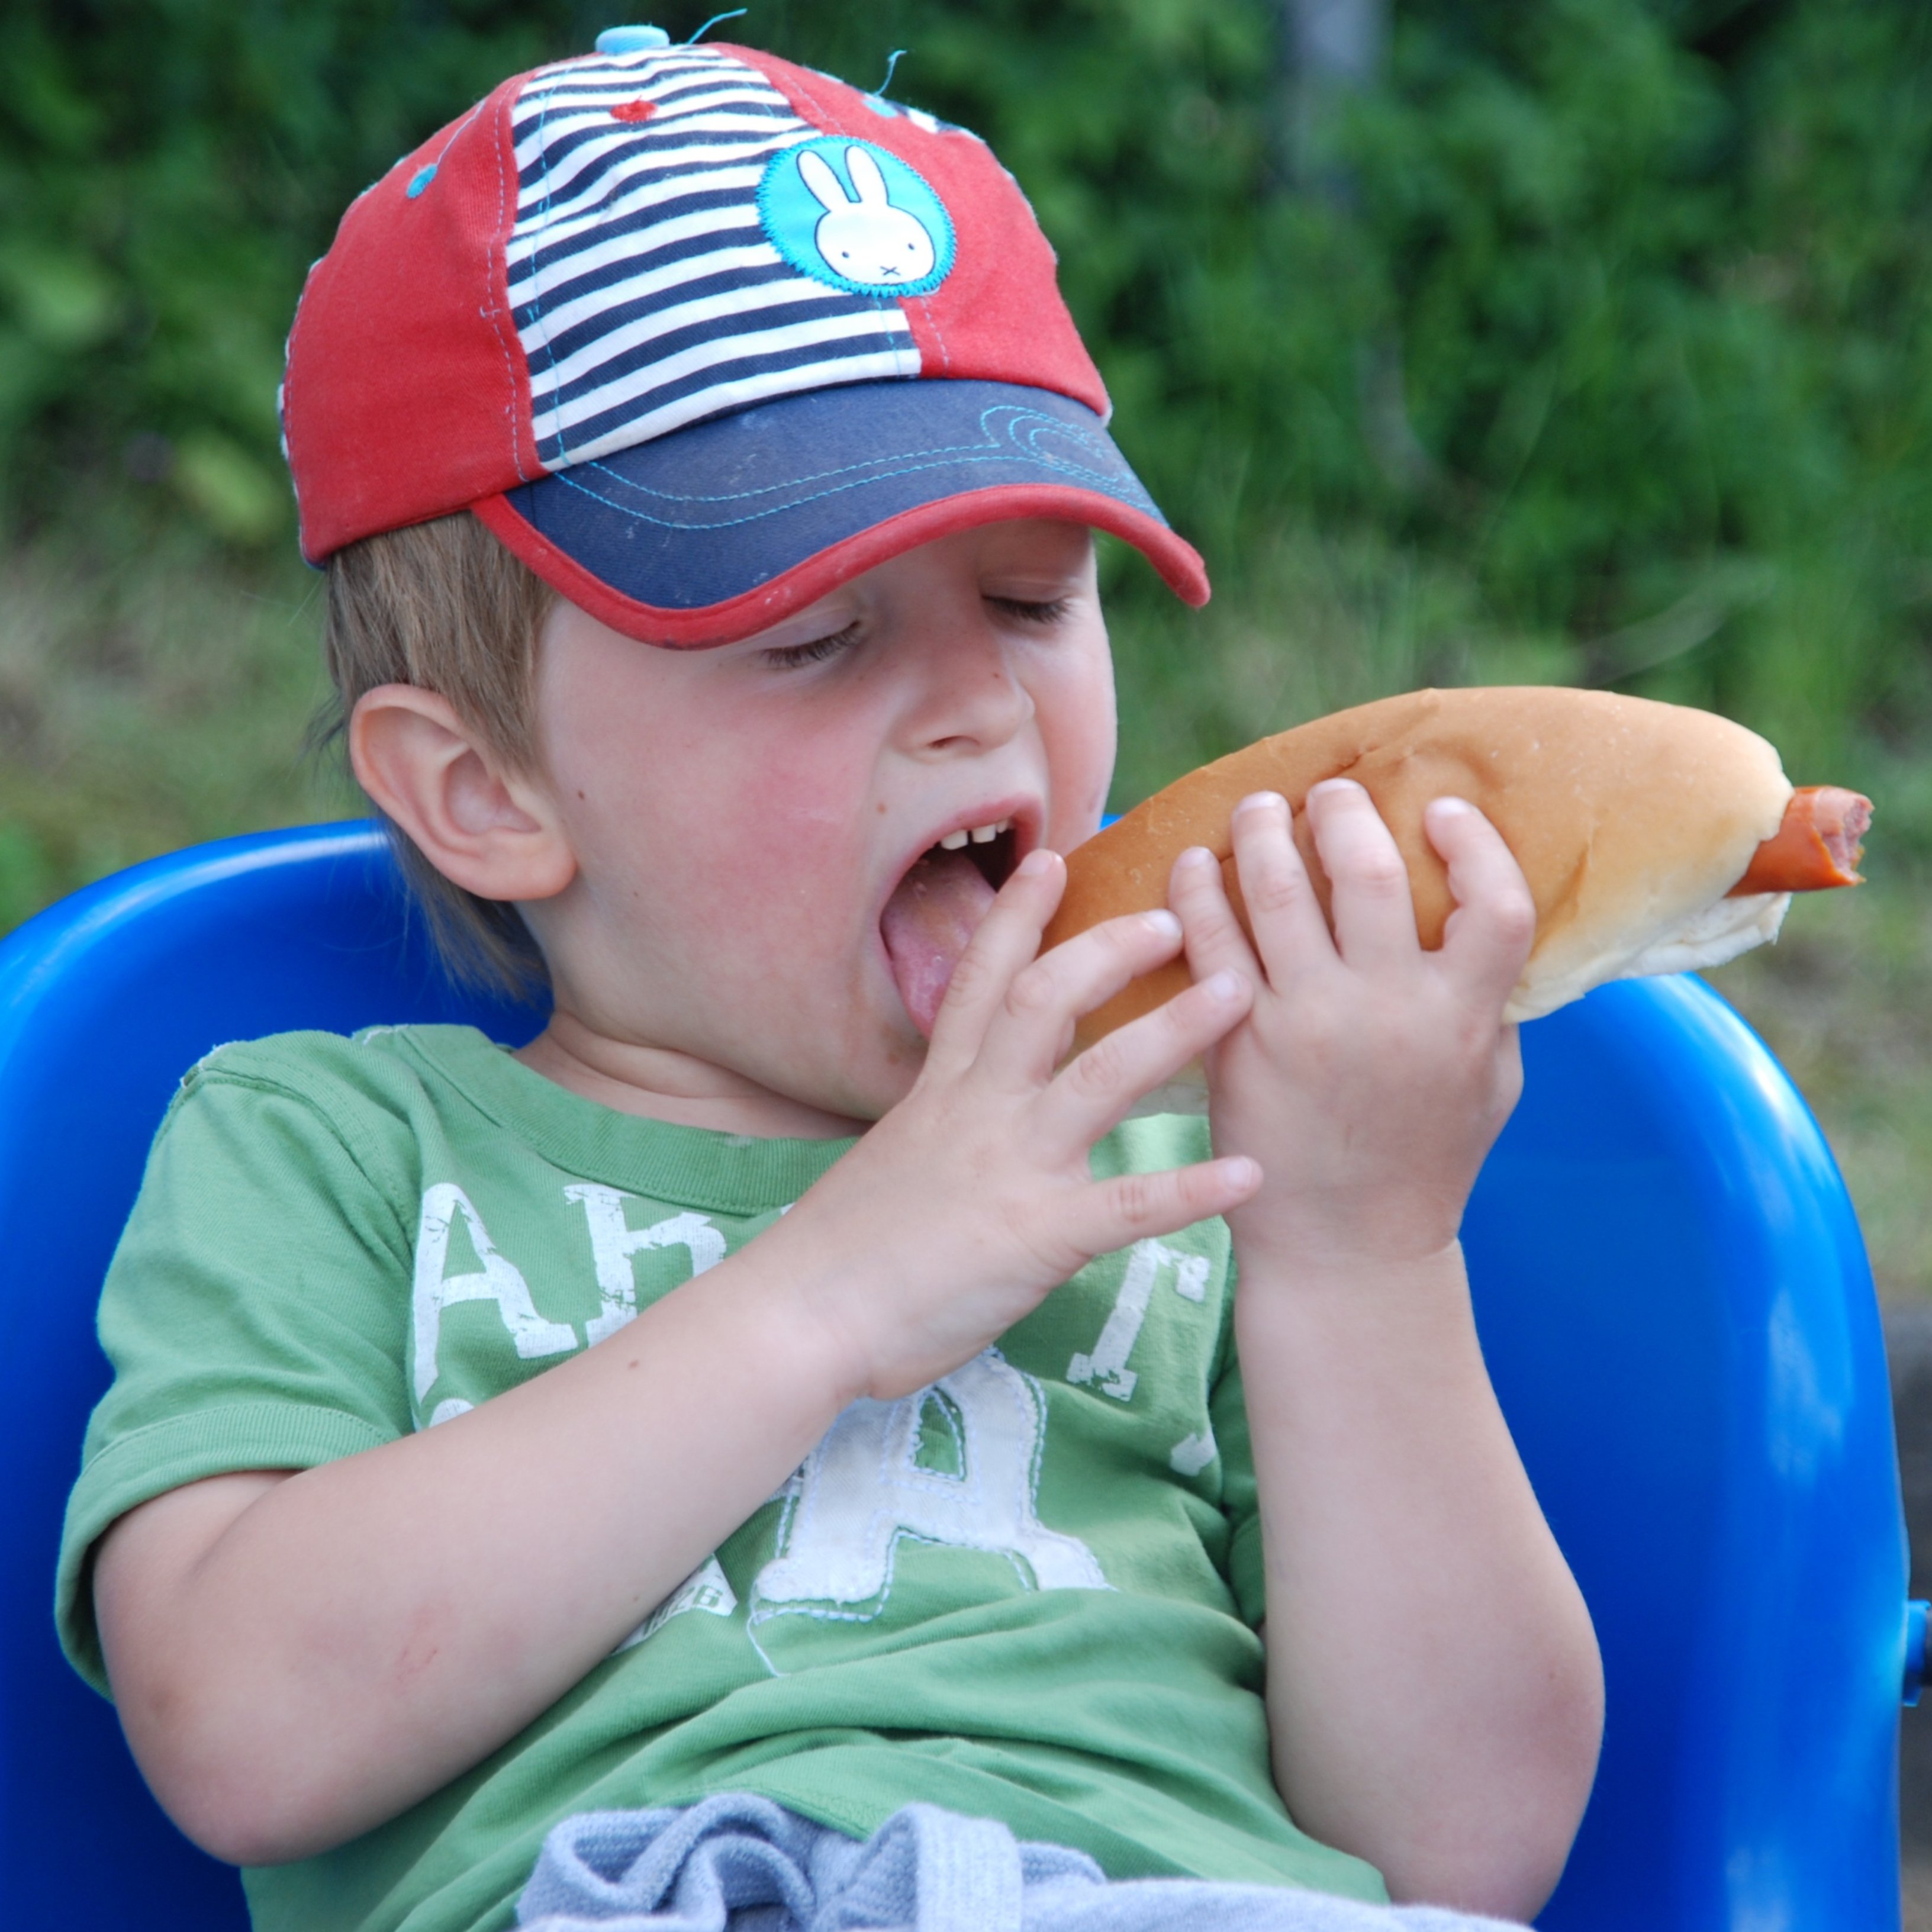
(722, 529)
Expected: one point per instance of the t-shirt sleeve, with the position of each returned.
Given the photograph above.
(253, 1315)
(1241, 1500)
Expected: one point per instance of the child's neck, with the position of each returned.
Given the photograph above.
(664, 1084)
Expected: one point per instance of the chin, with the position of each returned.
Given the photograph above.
(868, 1100)
(866, 1091)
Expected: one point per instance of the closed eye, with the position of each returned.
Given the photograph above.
(1028, 611)
(792, 657)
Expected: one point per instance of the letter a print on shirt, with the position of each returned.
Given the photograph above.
(498, 1281)
(865, 1486)
(614, 1241)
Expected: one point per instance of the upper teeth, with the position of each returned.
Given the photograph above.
(980, 834)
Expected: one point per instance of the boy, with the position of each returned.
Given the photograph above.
(776, 1393)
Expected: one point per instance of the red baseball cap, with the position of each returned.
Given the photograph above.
(699, 334)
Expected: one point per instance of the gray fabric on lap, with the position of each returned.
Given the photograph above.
(736, 1863)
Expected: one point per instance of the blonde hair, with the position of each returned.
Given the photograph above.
(444, 606)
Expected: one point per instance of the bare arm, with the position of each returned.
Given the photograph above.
(1433, 1686)
(1435, 1697)
(298, 1657)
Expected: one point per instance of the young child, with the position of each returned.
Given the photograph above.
(781, 1393)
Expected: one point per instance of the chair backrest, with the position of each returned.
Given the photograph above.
(1671, 1288)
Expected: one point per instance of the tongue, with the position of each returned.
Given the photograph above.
(927, 922)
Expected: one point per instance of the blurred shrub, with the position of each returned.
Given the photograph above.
(1666, 308)
(168, 169)
(1614, 314)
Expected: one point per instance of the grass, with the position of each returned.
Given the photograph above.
(147, 705)
(167, 698)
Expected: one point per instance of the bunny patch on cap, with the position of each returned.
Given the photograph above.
(853, 216)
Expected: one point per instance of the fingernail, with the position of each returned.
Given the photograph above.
(1333, 785)
(1450, 807)
(1257, 801)
(1195, 855)
(1036, 862)
(1223, 985)
(1240, 1172)
(1162, 924)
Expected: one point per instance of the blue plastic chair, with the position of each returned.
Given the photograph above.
(1672, 1294)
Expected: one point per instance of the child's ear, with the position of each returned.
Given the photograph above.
(481, 825)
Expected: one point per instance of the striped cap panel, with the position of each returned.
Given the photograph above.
(644, 288)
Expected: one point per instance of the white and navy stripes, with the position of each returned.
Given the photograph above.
(644, 290)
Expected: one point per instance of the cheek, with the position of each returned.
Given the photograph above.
(1077, 725)
(714, 834)
(766, 832)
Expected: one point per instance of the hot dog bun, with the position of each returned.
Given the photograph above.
(1632, 820)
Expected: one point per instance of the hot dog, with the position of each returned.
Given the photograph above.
(1817, 846)
(1654, 838)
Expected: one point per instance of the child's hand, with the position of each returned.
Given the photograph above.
(1369, 1080)
(973, 1197)
(1371, 1077)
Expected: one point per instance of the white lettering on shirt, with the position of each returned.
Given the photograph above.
(499, 1281)
(862, 1488)
(1107, 1366)
(612, 1242)
(707, 1588)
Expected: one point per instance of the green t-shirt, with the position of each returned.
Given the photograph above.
(1027, 1592)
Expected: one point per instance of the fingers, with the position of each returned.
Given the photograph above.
(1373, 910)
(1022, 1045)
(1216, 943)
(1488, 936)
(1490, 932)
(1093, 1094)
(1290, 933)
(1111, 1214)
(1375, 917)
(1007, 938)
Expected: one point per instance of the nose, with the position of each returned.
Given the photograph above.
(969, 697)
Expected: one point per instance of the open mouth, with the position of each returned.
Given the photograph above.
(936, 907)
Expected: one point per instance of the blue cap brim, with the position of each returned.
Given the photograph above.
(721, 529)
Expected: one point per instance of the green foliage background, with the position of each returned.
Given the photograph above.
(1592, 344)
